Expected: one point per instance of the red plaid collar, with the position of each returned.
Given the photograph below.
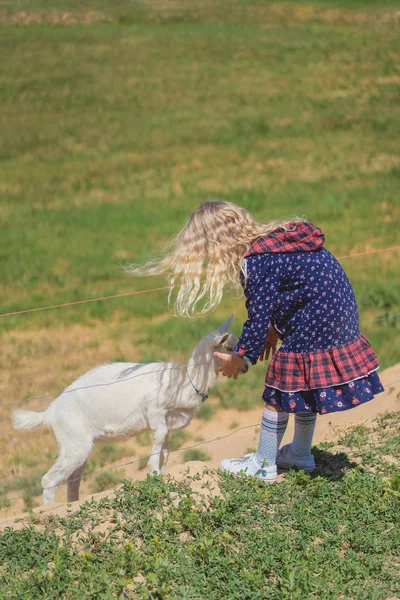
(303, 237)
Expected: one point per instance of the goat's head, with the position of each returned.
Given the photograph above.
(220, 340)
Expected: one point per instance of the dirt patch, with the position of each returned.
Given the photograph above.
(52, 17)
(383, 163)
(291, 14)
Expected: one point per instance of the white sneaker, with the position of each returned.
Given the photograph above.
(287, 460)
(248, 466)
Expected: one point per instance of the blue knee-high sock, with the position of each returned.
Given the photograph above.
(304, 425)
(273, 426)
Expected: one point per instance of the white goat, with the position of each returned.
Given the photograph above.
(118, 400)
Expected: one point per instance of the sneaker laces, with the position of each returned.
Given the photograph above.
(242, 459)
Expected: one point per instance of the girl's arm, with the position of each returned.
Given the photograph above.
(261, 291)
(232, 363)
(270, 344)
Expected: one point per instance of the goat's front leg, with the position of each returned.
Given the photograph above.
(160, 434)
(165, 453)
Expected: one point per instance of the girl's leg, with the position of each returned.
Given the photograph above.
(273, 426)
(273, 407)
(298, 453)
(262, 464)
(304, 426)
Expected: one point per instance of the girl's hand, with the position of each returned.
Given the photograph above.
(270, 344)
(231, 363)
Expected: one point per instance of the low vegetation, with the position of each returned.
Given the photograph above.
(177, 439)
(330, 535)
(106, 481)
(195, 454)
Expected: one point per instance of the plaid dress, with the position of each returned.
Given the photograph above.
(325, 363)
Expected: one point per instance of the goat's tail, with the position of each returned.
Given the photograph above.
(26, 419)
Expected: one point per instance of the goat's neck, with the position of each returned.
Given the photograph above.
(202, 372)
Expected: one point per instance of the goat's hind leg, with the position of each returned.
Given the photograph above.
(65, 467)
(73, 483)
(52, 479)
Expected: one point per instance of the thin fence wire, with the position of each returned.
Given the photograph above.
(383, 318)
(370, 252)
(25, 400)
(76, 302)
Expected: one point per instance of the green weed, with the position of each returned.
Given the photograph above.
(106, 481)
(195, 454)
(4, 502)
(244, 393)
(142, 463)
(144, 438)
(177, 439)
(325, 445)
(355, 436)
(206, 412)
(29, 502)
(21, 459)
(107, 453)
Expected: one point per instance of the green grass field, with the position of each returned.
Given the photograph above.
(116, 125)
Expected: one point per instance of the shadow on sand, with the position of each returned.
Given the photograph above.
(330, 465)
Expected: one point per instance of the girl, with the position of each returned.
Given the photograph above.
(297, 292)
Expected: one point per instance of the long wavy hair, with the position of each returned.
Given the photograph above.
(207, 254)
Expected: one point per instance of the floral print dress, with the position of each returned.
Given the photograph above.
(325, 364)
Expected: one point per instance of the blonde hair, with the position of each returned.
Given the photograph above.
(208, 253)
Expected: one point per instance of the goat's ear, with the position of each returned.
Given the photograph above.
(221, 338)
(225, 326)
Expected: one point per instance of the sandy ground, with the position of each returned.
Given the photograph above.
(235, 443)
